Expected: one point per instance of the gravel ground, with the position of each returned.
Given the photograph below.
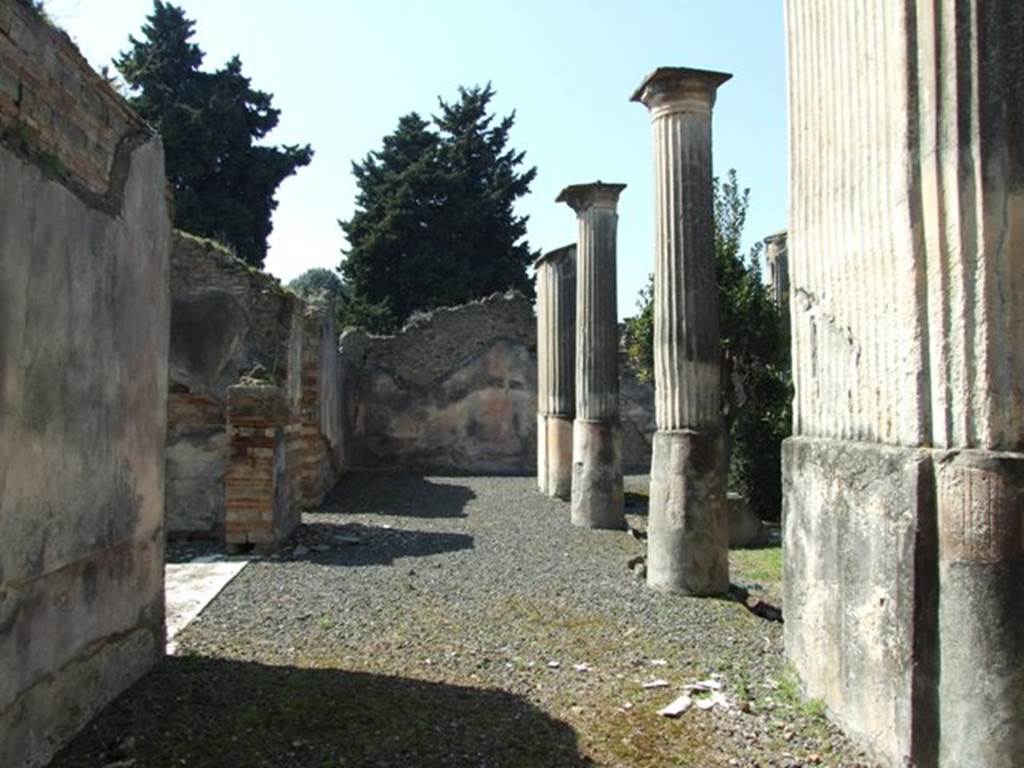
(430, 621)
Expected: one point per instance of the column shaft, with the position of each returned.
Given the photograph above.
(556, 345)
(597, 366)
(597, 498)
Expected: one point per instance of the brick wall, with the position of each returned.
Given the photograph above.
(259, 488)
(52, 102)
(199, 265)
(319, 433)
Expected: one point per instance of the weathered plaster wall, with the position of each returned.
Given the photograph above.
(456, 390)
(83, 384)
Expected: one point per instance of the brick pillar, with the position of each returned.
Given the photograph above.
(260, 506)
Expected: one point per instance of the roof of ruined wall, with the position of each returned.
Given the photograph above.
(434, 343)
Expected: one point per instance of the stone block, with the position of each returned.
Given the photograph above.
(860, 592)
(597, 494)
(980, 499)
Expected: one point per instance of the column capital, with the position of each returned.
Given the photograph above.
(556, 255)
(580, 197)
(679, 89)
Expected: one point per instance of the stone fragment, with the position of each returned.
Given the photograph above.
(658, 683)
(677, 707)
(745, 527)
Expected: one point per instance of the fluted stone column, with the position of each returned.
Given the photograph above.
(904, 480)
(556, 369)
(597, 500)
(776, 257)
(688, 535)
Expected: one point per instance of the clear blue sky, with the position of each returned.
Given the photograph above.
(343, 71)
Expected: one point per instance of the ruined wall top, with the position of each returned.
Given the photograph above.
(58, 112)
(434, 343)
(228, 316)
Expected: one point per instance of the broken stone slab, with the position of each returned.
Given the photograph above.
(677, 707)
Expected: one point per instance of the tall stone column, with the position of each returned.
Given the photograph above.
(556, 369)
(688, 532)
(776, 258)
(597, 500)
(904, 480)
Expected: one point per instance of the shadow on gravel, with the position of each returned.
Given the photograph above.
(636, 503)
(397, 494)
(213, 713)
(353, 544)
(756, 606)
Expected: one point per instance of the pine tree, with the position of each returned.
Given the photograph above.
(318, 283)
(434, 222)
(224, 183)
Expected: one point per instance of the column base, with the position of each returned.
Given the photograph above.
(857, 542)
(688, 527)
(597, 496)
(980, 500)
(904, 596)
(559, 457)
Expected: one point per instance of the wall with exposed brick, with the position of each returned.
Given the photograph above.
(55, 106)
(227, 321)
(263, 482)
(84, 239)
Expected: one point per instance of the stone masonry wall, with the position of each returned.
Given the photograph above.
(456, 390)
(226, 319)
(84, 236)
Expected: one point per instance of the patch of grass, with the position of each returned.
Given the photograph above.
(761, 566)
(325, 623)
(790, 696)
(25, 140)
